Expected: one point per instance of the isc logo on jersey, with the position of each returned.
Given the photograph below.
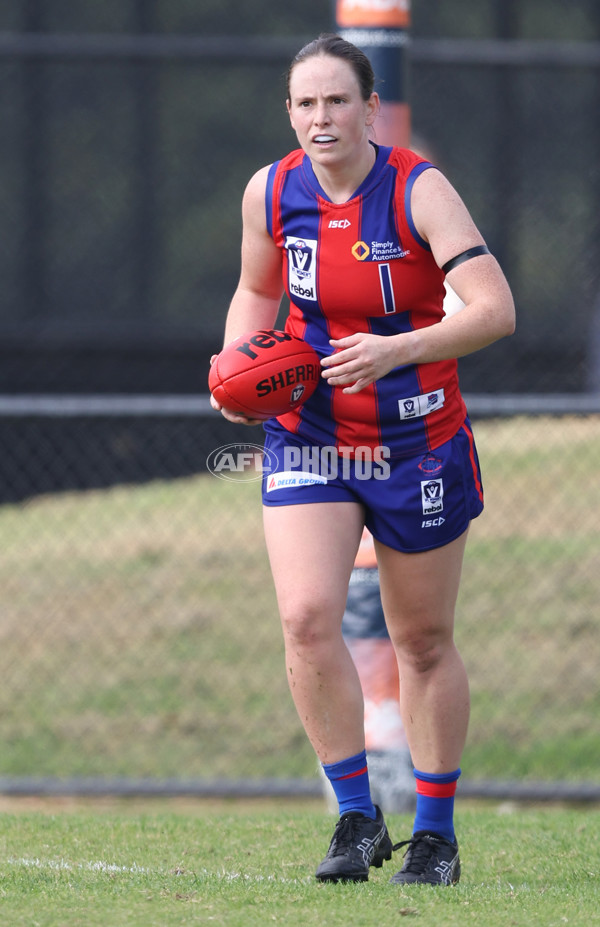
(302, 269)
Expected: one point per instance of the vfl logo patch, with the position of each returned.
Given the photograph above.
(418, 406)
(432, 496)
(302, 271)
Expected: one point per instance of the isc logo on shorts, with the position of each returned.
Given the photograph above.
(432, 496)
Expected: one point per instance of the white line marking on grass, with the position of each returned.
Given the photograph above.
(63, 865)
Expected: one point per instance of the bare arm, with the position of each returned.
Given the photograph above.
(255, 303)
(443, 220)
(489, 314)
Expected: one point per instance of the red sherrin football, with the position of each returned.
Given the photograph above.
(264, 373)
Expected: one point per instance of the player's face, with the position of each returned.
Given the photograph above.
(327, 111)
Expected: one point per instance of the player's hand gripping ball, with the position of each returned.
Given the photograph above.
(264, 373)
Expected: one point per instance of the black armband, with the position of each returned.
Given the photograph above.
(465, 256)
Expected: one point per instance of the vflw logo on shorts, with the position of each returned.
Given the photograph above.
(432, 496)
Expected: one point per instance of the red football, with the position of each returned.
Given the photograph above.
(264, 373)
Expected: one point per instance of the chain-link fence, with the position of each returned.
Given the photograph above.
(140, 637)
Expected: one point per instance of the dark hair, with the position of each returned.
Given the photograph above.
(334, 45)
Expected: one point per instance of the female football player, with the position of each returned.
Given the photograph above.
(362, 237)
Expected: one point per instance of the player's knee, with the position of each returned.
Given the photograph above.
(308, 625)
(423, 651)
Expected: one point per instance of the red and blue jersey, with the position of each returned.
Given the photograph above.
(361, 266)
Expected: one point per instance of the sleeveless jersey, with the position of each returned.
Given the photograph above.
(361, 266)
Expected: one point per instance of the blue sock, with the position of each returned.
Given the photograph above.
(435, 803)
(350, 781)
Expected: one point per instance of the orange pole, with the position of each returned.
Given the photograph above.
(381, 29)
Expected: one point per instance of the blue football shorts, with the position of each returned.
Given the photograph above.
(411, 503)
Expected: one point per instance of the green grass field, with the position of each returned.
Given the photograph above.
(139, 633)
(245, 866)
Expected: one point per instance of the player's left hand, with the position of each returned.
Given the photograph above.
(359, 360)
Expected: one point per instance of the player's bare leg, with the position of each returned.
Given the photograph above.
(312, 549)
(419, 593)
